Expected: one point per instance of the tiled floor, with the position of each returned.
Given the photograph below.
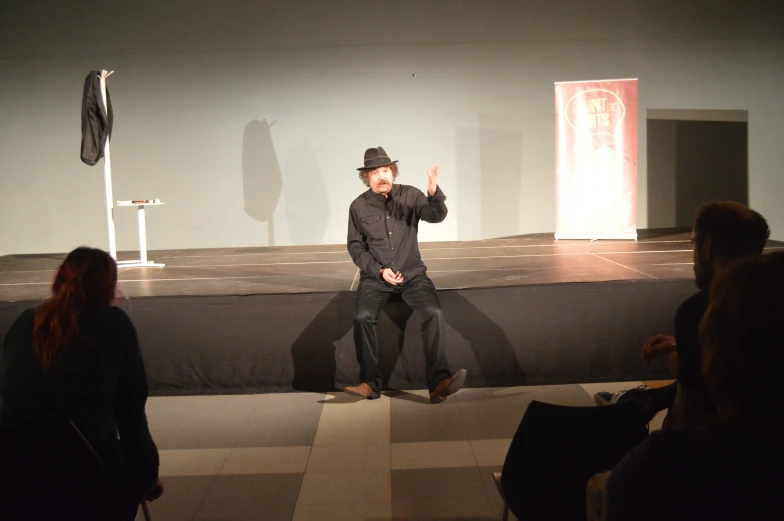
(331, 457)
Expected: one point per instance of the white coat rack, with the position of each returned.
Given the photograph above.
(107, 171)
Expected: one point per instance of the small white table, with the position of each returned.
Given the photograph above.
(142, 235)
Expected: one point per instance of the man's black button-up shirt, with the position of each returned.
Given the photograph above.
(382, 231)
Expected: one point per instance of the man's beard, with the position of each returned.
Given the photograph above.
(703, 275)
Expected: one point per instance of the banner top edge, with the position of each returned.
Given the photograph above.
(595, 81)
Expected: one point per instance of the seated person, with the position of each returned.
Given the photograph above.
(724, 234)
(76, 357)
(728, 469)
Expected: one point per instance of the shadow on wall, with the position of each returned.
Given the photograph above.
(307, 205)
(489, 178)
(501, 173)
(468, 182)
(262, 180)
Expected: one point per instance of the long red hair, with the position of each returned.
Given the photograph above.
(86, 279)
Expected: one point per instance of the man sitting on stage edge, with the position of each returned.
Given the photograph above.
(382, 240)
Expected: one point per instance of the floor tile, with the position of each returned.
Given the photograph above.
(252, 492)
(347, 421)
(164, 416)
(220, 403)
(434, 454)
(498, 512)
(490, 452)
(335, 488)
(352, 433)
(168, 407)
(415, 419)
(495, 413)
(192, 462)
(439, 494)
(281, 420)
(219, 432)
(316, 456)
(490, 488)
(245, 513)
(341, 406)
(349, 512)
(211, 422)
(360, 456)
(266, 460)
(182, 498)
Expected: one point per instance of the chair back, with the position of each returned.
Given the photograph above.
(52, 472)
(557, 448)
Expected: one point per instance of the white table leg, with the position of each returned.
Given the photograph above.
(143, 261)
(142, 235)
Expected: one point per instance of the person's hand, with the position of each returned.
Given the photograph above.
(657, 345)
(392, 277)
(432, 180)
(155, 492)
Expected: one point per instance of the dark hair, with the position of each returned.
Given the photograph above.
(735, 231)
(742, 346)
(87, 278)
(363, 174)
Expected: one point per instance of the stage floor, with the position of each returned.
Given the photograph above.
(530, 259)
(515, 261)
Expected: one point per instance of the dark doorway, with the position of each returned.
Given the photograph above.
(693, 161)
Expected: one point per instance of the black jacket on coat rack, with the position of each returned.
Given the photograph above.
(97, 120)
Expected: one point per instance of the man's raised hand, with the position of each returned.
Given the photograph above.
(432, 180)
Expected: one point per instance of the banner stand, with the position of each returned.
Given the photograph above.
(596, 160)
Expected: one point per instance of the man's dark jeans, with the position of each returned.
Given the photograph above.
(420, 294)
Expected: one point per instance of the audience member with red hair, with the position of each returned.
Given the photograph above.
(76, 357)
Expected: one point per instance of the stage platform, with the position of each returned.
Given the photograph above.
(523, 310)
(530, 259)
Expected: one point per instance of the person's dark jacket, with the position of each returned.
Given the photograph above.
(98, 382)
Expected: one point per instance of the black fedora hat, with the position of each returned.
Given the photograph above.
(375, 158)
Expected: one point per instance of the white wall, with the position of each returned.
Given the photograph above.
(197, 83)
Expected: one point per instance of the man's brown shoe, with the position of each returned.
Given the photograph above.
(448, 386)
(363, 390)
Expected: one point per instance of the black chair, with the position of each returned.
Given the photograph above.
(554, 452)
(52, 473)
